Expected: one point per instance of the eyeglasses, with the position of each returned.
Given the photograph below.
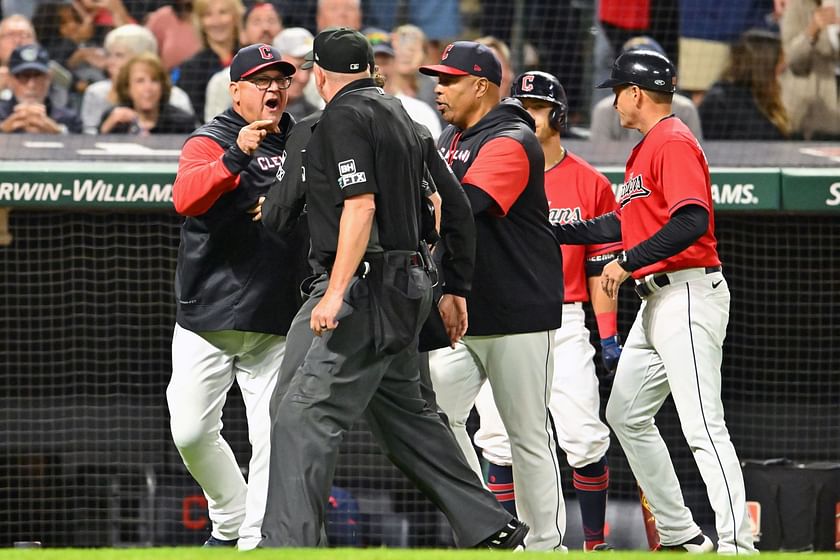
(263, 83)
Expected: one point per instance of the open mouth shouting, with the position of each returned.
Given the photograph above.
(272, 106)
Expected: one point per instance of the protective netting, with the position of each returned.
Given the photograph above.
(87, 315)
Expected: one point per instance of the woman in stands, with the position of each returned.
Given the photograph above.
(746, 103)
(142, 89)
(219, 23)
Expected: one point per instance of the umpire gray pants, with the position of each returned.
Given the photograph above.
(327, 383)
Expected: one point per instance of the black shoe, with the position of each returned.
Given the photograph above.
(698, 545)
(213, 541)
(509, 537)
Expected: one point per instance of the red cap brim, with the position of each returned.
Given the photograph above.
(437, 69)
(286, 67)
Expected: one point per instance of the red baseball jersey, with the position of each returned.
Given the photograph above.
(666, 171)
(577, 192)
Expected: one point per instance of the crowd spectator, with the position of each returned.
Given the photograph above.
(746, 103)
(142, 89)
(219, 23)
(707, 30)
(338, 13)
(383, 55)
(605, 122)
(177, 37)
(261, 23)
(121, 44)
(67, 32)
(293, 44)
(409, 45)
(30, 109)
(810, 87)
(15, 30)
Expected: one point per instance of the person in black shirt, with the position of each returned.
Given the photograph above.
(352, 347)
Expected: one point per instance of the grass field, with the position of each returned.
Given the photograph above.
(187, 553)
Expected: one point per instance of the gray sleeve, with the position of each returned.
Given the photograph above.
(603, 116)
(687, 112)
(94, 105)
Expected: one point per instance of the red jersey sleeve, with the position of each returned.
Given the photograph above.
(603, 203)
(202, 177)
(501, 169)
(682, 175)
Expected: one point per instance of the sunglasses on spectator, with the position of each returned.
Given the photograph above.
(263, 83)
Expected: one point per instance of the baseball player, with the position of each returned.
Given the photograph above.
(515, 303)
(575, 192)
(665, 221)
(235, 290)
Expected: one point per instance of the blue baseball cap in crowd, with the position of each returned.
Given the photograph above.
(29, 57)
(463, 58)
(253, 58)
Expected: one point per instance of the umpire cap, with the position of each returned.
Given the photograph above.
(644, 68)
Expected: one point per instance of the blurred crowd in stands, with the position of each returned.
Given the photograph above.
(748, 69)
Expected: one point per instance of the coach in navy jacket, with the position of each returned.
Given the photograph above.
(516, 300)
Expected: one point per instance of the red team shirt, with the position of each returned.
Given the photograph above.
(577, 192)
(666, 171)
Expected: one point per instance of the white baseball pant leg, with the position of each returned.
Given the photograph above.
(520, 368)
(675, 346)
(457, 376)
(204, 367)
(575, 400)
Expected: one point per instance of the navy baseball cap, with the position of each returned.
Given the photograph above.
(253, 58)
(463, 58)
(29, 57)
(339, 49)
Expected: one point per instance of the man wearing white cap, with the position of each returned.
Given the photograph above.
(293, 44)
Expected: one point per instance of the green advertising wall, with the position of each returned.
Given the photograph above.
(149, 185)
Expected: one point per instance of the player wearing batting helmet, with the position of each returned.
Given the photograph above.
(665, 221)
(575, 192)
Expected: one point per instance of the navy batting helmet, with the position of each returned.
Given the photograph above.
(545, 87)
(644, 68)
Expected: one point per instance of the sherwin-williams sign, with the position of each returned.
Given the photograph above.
(86, 185)
(130, 185)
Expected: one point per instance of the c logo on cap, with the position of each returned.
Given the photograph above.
(265, 52)
(527, 83)
(446, 51)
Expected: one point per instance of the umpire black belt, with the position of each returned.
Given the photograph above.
(364, 268)
(656, 282)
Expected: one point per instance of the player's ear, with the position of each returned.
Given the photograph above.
(481, 86)
(233, 88)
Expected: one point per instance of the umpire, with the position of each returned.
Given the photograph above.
(352, 348)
